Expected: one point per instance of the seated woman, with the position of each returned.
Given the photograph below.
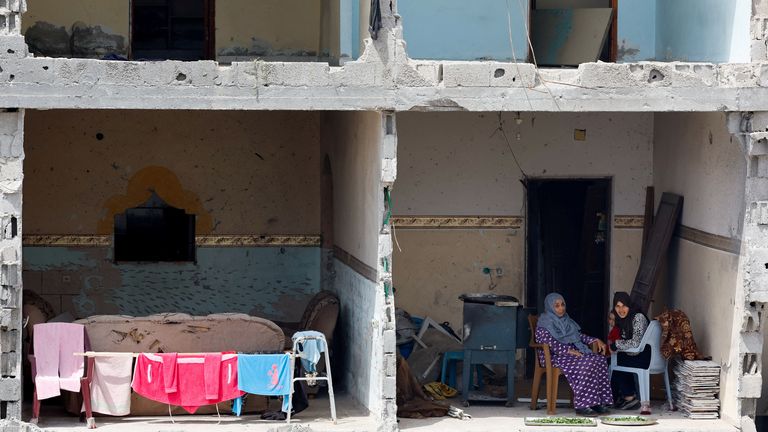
(586, 372)
(632, 324)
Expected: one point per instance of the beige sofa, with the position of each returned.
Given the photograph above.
(176, 332)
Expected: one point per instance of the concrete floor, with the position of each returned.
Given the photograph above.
(353, 418)
(493, 417)
(317, 418)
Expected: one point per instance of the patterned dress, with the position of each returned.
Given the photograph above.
(587, 375)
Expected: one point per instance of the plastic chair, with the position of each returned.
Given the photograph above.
(552, 373)
(448, 374)
(658, 363)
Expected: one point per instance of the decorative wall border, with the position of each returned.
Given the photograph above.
(459, 222)
(628, 221)
(714, 241)
(95, 240)
(64, 240)
(355, 264)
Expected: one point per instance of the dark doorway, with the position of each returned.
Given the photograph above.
(568, 238)
(172, 29)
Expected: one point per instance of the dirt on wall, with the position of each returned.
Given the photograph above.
(81, 41)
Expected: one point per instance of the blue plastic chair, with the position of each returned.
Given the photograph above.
(450, 362)
(658, 364)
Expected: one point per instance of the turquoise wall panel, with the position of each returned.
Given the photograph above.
(465, 30)
(703, 30)
(272, 282)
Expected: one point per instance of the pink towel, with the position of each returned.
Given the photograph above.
(170, 372)
(192, 379)
(56, 365)
(111, 385)
(211, 371)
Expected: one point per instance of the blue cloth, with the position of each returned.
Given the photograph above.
(564, 329)
(309, 350)
(263, 374)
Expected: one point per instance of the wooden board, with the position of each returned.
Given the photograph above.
(569, 37)
(664, 224)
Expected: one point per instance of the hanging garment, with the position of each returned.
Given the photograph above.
(264, 374)
(111, 385)
(374, 19)
(309, 350)
(677, 336)
(189, 381)
(56, 366)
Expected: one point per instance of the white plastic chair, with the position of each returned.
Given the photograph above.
(658, 363)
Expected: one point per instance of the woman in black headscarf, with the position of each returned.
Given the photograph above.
(632, 325)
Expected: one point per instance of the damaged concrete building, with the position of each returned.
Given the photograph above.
(361, 146)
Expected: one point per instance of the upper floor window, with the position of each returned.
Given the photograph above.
(171, 29)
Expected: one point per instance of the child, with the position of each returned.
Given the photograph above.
(613, 331)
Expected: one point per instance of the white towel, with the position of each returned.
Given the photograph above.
(111, 385)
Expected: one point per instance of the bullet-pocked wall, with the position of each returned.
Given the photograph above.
(353, 145)
(257, 221)
(459, 204)
(695, 156)
(279, 30)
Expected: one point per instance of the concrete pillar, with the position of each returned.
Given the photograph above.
(388, 174)
(758, 32)
(11, 174)
(11, 41)
(751, 295)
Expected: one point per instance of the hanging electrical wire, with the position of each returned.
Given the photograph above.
(509, 146)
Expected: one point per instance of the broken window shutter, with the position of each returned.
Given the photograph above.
(656, 250)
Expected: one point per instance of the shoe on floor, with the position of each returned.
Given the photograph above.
(586, 412)
(600, 409)
(629, 404)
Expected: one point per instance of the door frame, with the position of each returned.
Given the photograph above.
(608, 240)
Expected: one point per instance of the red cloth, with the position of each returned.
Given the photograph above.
(613, 335)
(194, 381)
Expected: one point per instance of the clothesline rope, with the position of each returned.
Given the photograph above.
(133, 354)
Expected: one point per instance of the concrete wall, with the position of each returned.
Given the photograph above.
(695, 156)
(354, 146)
(234, 170)
(709, 30)
(458, 164)
(353, 143)
(460, 30)
(83, 28)
(272, 28)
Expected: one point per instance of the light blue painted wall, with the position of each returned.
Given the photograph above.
(703, 30)
(636, 30)
(349, 30)
(464, 30)
(270, 282)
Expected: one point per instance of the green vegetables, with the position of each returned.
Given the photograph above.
(637, 419)
(561, 420)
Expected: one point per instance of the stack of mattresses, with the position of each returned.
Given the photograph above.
(697, 388)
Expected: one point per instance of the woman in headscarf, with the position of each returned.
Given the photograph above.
(632, 324)
(586, 371)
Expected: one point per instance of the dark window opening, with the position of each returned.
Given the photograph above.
(171, 29)
(154, 231)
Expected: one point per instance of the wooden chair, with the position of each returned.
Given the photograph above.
(552, 373)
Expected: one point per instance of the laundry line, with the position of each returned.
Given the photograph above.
(133, 354)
